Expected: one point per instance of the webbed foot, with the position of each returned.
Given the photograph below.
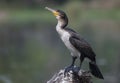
(74, 70)
(68, 69)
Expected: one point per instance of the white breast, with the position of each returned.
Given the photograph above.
(65, 38)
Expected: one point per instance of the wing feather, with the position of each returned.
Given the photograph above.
(82, 46)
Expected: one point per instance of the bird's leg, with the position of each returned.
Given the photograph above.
(71, 67)
(81, 60)
(80, 64)
(73, 60)
(77, 69)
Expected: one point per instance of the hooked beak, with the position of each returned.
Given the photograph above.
(53, 11)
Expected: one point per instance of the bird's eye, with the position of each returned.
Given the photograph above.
(62, 15)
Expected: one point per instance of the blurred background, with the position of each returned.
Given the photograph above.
(31, 50)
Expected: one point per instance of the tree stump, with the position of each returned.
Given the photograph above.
(71, 77)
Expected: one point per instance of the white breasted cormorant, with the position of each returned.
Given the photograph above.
(78, 47)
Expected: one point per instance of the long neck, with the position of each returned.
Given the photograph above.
(62, 23)
(60, 26)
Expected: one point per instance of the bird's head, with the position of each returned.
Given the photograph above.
(59, 14)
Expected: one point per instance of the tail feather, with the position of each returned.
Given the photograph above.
(95, 70)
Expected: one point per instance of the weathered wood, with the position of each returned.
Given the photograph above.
(71, 77)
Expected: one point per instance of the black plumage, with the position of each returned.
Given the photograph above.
(75, 43)
(86, 52)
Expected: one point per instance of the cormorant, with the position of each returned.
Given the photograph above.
(78, 47)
